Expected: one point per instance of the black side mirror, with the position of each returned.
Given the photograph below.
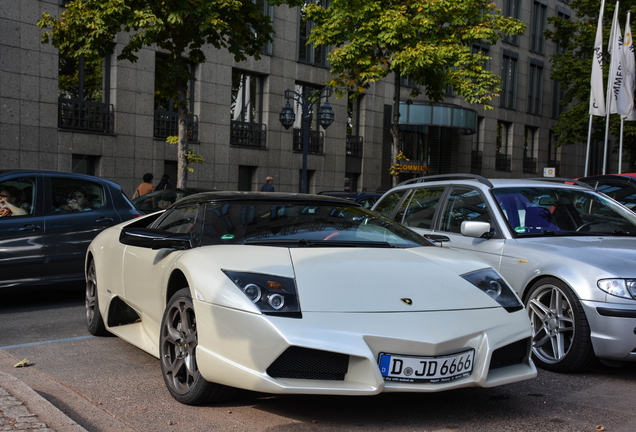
(151, 238)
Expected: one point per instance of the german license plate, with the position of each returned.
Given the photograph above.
(413, 369)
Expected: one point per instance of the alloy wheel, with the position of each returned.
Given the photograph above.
(179, 342)
(552, 320)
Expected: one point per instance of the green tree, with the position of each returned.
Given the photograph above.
(428, 42)
(181, 28)
(572, 68)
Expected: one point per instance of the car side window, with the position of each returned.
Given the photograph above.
(75, 196)
(388, 204)
(180, 220)
(463, 204)
(422, 207)
(17, 197)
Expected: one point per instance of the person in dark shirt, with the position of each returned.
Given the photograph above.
(268, 186)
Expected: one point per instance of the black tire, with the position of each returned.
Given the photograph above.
(561, 332)
(177, 352)
(94, 320)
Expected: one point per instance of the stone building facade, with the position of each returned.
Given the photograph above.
(123, 136)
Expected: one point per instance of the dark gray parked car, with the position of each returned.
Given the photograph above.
(49, 220)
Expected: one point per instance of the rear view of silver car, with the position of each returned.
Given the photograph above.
(568, 251)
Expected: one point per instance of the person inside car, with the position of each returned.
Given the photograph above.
(9, 205)
(77, 202)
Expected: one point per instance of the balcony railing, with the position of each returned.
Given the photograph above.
(167, 124)
(354, 145)
(316, 141)
(502, 162)
(529, 165)
(85, 116)
(248, 134)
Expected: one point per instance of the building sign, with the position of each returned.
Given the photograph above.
(413, 167)
(548, 172)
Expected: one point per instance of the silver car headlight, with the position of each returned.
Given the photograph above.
(491, 283)
(273, 295)
(625, 288)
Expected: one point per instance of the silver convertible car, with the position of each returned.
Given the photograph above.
(568, 251)
(305, 294)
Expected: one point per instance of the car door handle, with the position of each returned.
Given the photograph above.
(104, 219)
(30, 227)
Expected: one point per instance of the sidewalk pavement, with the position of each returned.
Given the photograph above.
(23, 409)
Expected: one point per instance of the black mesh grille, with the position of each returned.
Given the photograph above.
(509, 355)
(305, 363)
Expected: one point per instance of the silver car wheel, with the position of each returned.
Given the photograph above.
(552, 320)
(178, 346)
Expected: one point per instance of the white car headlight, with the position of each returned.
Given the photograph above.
(273, 295)
(625, 288)
(491, 283)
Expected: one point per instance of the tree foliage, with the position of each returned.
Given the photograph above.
(428, 41)
(179, 27)
(572, 68)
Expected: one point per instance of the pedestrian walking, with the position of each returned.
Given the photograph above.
(164, 183)
(268, 186)
(145, 187)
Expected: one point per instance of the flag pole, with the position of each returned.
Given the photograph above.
(610, 78)
(597, 105)
(620, 149)
(589, 136)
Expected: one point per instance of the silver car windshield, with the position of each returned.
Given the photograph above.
(560, 211)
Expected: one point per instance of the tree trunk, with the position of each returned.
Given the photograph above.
(395, 128)
(182, 146)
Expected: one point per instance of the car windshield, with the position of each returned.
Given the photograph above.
(534, 211)
(302, 224)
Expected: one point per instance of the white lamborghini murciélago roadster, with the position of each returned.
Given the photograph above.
(291, 293)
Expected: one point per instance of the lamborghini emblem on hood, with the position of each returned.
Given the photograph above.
(407, 301)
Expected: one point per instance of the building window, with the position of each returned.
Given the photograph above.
(307, 52)
(245, 177)
(511, 10)
(84, 164)
(502, 158)
(508, 98)
(535, 87)
(539, 12)
(354, 140)
(268, 11)
(83, 90)
(247, 110)
(351, 182)
(529, 161)
(485, 51)
(553, 161)
(166, 110)
(316, 136)
(476, 155)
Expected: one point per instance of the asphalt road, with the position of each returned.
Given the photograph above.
(105, 384)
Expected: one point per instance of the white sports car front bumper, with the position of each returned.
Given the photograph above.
(237, 348)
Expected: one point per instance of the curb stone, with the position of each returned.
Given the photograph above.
(22, 409)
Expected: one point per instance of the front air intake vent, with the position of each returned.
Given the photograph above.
(509, 355)
(305, 363)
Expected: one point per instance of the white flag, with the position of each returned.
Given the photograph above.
(630, 70)
(597, 100)
(616, 78)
